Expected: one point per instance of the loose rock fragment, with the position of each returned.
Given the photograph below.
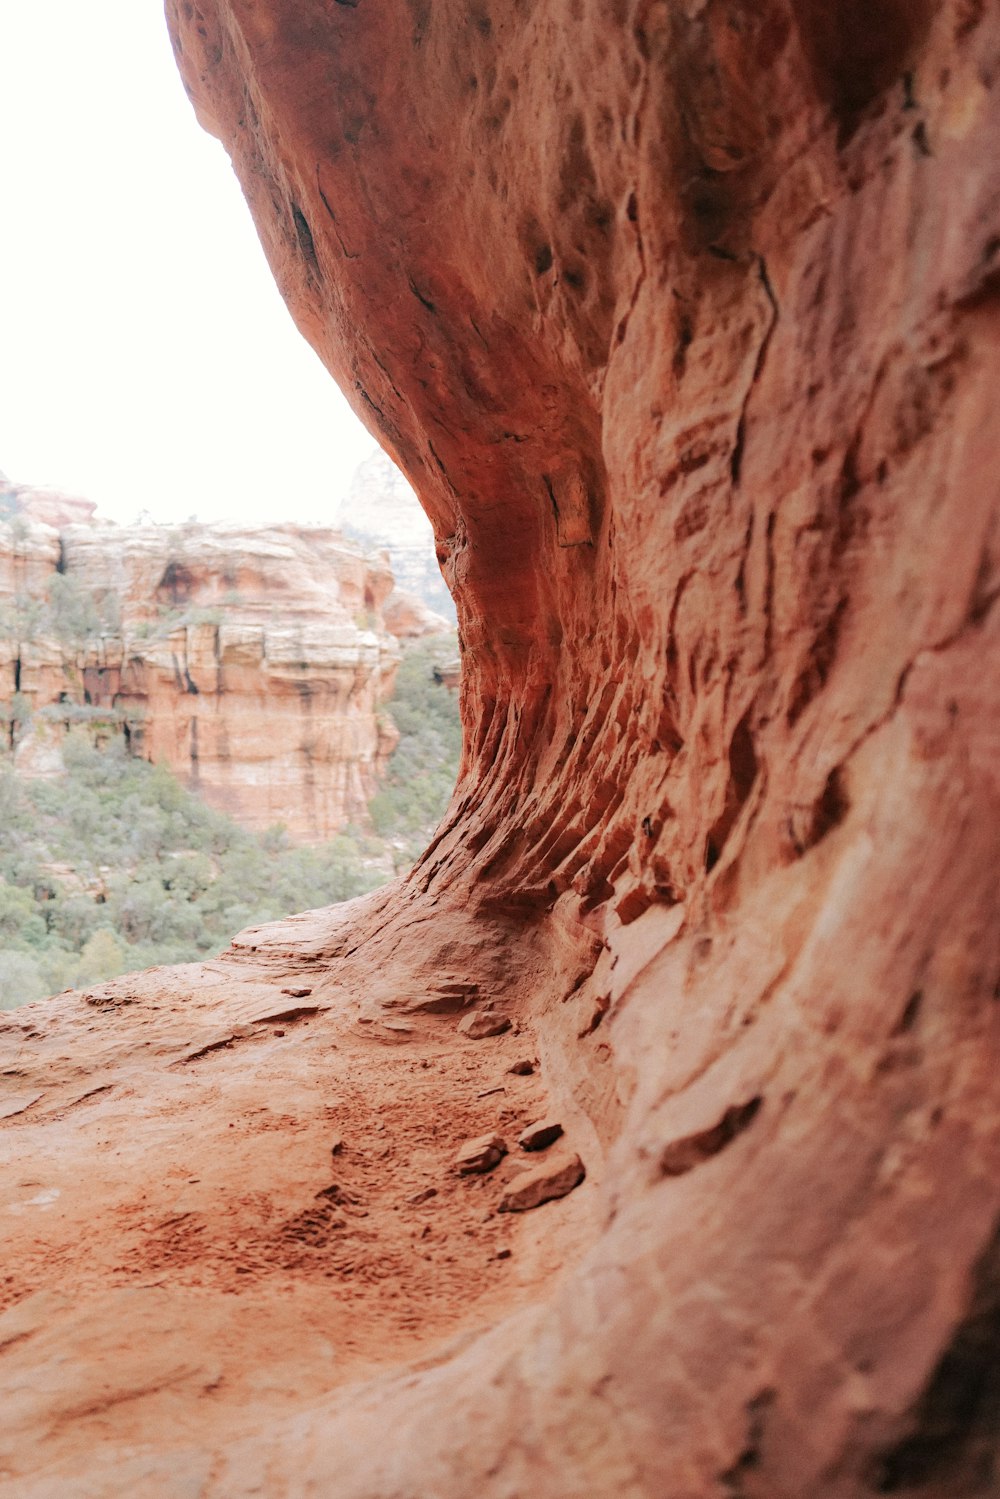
(522, 1069)
(479, 1025)
(297, 991)
(480, 1154)
(541, 1135)
(555, 1177)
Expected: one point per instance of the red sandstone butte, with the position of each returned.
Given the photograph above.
(683, 319)
(252, 660)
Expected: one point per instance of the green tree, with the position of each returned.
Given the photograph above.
(73, 613)
(20, 922)
(424, 766)
(115, 866)
(20, 979)
(103, 957)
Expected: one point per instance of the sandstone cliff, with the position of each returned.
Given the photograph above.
(251, 660)
(683, 321)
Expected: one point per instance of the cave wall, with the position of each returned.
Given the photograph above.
(682, 319)
(662, 313)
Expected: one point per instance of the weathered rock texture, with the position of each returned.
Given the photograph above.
(251, 660)
(683, 318)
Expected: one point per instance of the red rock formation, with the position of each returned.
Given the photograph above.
(682, 319)
(408, 618)
(251, 660)
(29, 555)
(52, 508)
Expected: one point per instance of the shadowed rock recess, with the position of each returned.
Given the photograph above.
(683, 319)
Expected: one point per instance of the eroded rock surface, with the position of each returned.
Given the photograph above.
(683, 319)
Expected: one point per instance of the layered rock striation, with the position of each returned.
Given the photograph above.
(682, 319)
(253, 661)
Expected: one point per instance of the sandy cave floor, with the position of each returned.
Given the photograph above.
(178, 1255)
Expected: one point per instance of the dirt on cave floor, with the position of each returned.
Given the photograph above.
(278, 1216)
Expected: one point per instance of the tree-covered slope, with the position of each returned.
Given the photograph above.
(114, 866)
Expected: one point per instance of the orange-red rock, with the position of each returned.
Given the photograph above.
(252, 660)
(683, 319)
(408, 618)
(556, 1176)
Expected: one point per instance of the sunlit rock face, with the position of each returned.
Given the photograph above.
(253, 661)
(683, 320)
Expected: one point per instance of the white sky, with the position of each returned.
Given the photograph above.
(146, 358)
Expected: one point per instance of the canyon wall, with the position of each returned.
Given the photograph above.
(252, 660)
(682, 318)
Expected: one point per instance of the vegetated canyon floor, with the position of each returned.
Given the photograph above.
(248, 1234)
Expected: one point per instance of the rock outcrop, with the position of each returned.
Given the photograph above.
(49, 506)
(408, 618)
(683, 321)
(253, 661)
